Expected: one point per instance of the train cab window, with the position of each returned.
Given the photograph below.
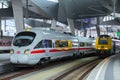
(44, 44)
(82, 44)
(24, 39)
(103, 42)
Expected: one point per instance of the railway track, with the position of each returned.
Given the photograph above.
(25, 71)
(78, 72)
(22, 71)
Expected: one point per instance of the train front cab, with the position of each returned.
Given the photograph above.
(103, 46)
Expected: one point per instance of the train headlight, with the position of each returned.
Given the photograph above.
(105, 48)
(26, 51)
(11, 51)
(98, 48)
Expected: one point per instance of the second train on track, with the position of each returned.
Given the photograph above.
(106, 46)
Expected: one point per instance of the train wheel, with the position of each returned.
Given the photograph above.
(74, 55)
(43, 61)
(81, 55)
(113, 53)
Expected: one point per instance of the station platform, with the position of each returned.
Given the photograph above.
(5, 66)
(4, 57)
(108, 69)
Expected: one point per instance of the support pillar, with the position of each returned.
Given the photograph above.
(97, 26)
(18, 14)
(71, 25)
(53, 24)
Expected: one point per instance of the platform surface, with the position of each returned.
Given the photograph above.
(108, 69)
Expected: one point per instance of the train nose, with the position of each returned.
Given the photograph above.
(102, 46)
(21, 59)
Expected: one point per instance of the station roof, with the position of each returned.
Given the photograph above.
(63, 9)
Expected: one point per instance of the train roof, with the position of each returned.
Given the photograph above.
(106, 36)
(47, 33)
(52, 34)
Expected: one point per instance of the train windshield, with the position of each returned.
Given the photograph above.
(24, 39)
(103, 42)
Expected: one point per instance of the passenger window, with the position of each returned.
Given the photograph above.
(47, 43)
(61, 43)
(87, 44)
(0, 43)
(82, 44)
(74, 44)
(8, 43)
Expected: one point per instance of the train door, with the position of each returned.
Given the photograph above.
(44, 45)
(66, 46)
(75, 46)
(63, 48)
(47, 45)
(60, 46)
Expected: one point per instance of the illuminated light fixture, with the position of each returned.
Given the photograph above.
(53, 1)
(26, 51)
(12, 51)
(98, 48)
(27, 29)
(106, 48)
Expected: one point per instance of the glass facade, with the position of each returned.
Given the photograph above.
(8, 27)
(3, 4)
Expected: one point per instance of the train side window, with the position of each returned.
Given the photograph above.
(44, 44)
(82, 44)
(61, 43)
(74, 44)
(8, 43)
(47, 43)
(88, 44)
(39, 45)
(0, 43)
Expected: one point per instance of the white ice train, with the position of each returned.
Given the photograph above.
(34, 46)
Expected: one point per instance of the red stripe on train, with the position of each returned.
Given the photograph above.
(84, 48)
(54, 50)
(38, 51)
